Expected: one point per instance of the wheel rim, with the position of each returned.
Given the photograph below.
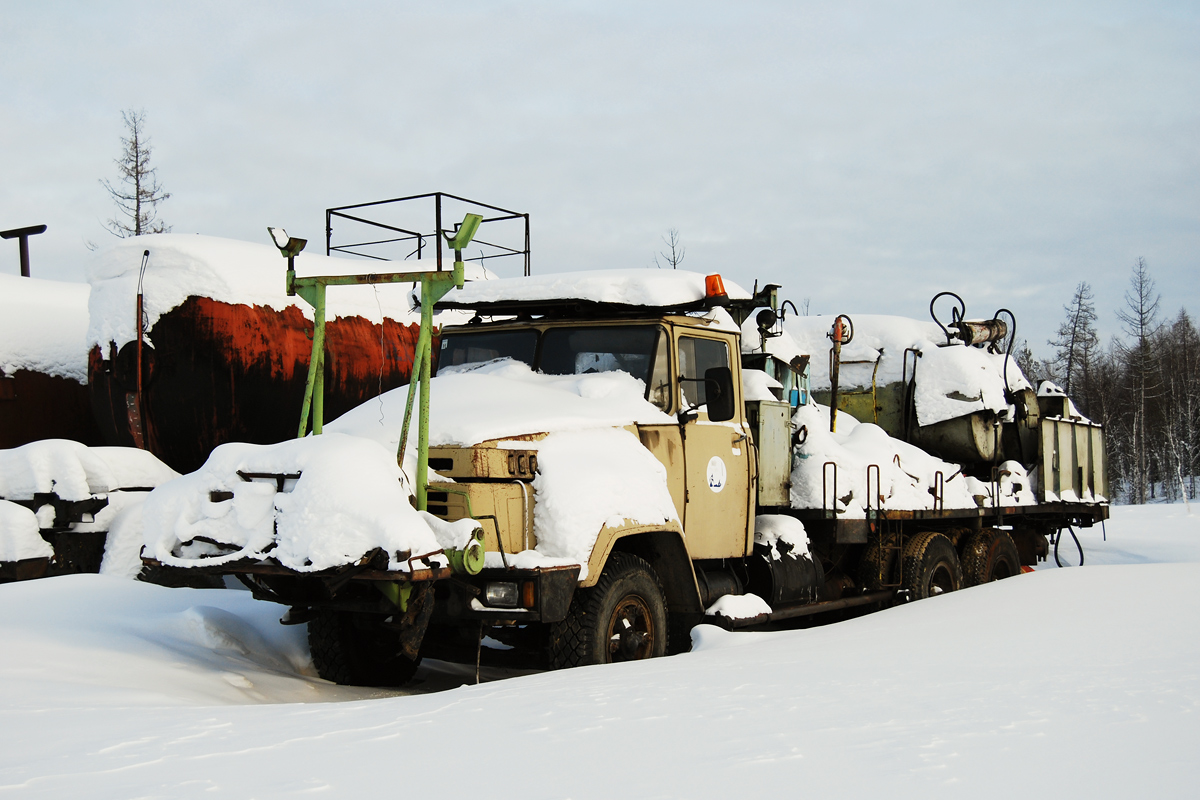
(631, 630)
(941, 580)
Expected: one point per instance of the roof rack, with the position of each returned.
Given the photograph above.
(739, 309)
(391, 230)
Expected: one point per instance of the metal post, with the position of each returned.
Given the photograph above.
(317, 359)
(22, 236)
(835, 364)
(437, 226)
(423, 419)
(527, 272)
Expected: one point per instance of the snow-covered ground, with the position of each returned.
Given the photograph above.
(1062, 683)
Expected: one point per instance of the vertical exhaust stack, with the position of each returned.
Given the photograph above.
(22, 236)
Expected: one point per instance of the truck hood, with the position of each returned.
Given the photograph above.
(505, 398)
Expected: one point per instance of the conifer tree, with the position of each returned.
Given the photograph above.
(137, 192)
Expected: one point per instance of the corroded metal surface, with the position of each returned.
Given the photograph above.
(217, 372)
(36, 406)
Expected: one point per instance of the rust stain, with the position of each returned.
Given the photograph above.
(34, 405)
(221, 372)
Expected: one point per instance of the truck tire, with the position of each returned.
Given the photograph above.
(355, 650)
(877, 567)
(622, 618)
(989, 555)
(931, 566)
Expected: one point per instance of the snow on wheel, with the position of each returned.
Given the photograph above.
(356, 650)
(622, 618)
(931, 566)
(989, 555)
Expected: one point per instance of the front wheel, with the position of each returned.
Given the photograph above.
(622, 618)
(358, 650)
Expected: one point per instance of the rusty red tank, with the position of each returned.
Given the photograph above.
(225, 352)
(43, 362)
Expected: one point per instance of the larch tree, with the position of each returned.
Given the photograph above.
(675, 250)
(1140, 322)
(1076, 337)
(137, 191)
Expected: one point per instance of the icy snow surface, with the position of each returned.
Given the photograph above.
(1064, 683)
(43, 327)
(181, 266)
(637, 287)
(951, 381)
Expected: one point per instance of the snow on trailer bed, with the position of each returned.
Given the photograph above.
(1064, 683)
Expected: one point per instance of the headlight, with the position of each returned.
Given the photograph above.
(503, 594)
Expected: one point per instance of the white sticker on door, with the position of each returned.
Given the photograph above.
(716, 474)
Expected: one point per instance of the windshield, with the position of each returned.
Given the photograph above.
(563, 351)
(575, 351)
(476, 348)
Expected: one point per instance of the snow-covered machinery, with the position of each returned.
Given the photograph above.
(604, 459)
(67, 508)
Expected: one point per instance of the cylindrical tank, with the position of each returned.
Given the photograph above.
(220, 372)
(43, 362)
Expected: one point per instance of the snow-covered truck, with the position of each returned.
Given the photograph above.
(603, 460)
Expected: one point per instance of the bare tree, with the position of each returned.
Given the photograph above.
(137, 192)
(1076, 337)
(676, 252)
(1139, 320)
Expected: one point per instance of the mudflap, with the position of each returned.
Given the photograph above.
(413, 623)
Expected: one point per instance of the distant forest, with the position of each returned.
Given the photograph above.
(1143, 386)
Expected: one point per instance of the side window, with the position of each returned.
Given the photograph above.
(695, 357)
(659, 390)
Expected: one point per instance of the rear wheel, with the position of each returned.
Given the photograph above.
(357, 650)
(931, 566)
(989, 555)
(622, 618)
(877, 567)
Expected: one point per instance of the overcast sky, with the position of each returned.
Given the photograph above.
(864, 155)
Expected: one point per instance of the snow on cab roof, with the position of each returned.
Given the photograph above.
(181, 266)
(42, 327)
(626, 287)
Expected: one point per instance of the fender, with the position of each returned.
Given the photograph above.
(664, 547)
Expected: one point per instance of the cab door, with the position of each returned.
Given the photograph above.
(716, 455)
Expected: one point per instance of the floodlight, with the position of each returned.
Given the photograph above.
(288, 245)
(465, 233)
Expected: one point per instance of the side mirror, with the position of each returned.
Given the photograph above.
(719, 383)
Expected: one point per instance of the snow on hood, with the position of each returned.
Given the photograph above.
(227, 270)
(636, 287)
(950, 381)
(591, 472)
(478, 402)
(76, 472)
(347, 501)
(43, 327)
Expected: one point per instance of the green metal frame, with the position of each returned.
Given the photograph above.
(434, 286)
